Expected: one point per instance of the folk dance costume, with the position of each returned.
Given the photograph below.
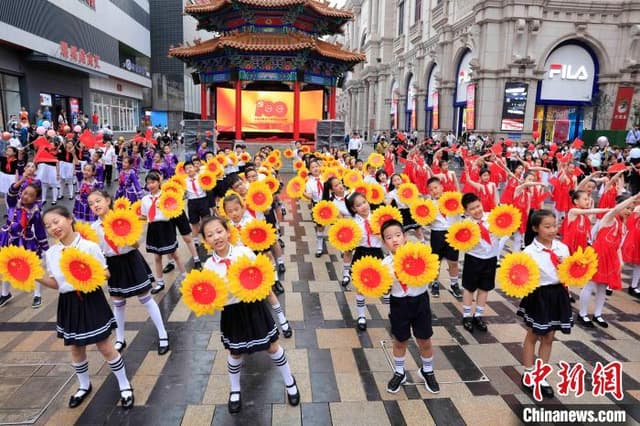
(548, 307)
(129, 186)
(370, 245)
(577, 233)
(81, 210)
(172, 162)
(148, 159)
(162, 168)
(8, 173)
(315, 187)
(99, 168)
(48, 175)
(631, 250)
(129, 275)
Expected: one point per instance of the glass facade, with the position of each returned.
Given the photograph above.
(9, 98)
(120, 113)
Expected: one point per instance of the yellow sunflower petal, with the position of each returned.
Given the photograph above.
(407, 192)
(504, 220)
(352, 178)
(288, 153)
(272, 182)
(204, 292)
(122, 227)
(259, 197)
(258, 235)
(344, 234)
(383, 214)
(251, 280)
(84, 272)
(295, 187)
(578, 269)
(86, 231)
(20, 267)
(170, 204)
(376, 160)
(121, 203)
(375, 193)
(137, 208)
(415, 265)
(325, 213)
(518, 274)
(463, 235)
(423, 211)
(450, 203)
(207, 180)
(370, 277)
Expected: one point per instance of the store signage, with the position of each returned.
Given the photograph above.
(565, 72)
(45, 99)
(470, 111)
(79, 56)
(569, 75)
(130, 65)
(463, 78)
(436, 112)
(514, 106)
(621, 108)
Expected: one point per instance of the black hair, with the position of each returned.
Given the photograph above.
(153, 176)
(187, 163)
(433, 179)
(326, 191)
(483, 171)
(93, 166)
(351, 199)
(535, 219)
(221, 220)
(37, 188)
(469, 198)
(62, 211)
(391, 186)
(379, 173)
(388, 224)
(233, 179)
(575, 194)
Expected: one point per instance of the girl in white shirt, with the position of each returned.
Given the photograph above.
(313, 191)
(335, 192)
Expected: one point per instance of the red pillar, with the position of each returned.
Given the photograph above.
(238, 109)
(332, 103)
(211, 105)
(203, 101)
(296, 110)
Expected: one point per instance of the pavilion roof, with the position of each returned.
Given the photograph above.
(322, 8)
(269, 42)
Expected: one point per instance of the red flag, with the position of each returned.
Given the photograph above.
(44, 156)
(618, 167)
(87, 139)
(40, 142)
(577, 143)
(148, 135)
(497, 149)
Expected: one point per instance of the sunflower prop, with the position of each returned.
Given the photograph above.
(306, 149)
(504, 220)
(288, 153)
(375, 193)
(233, 158)
(295, 187)
(272, 182)
(259, 197)
(518, 274)
(245, 157)
(172, 186)
(303, 173)
(204, 292)
(170, 205)
(407, 192)
(376, 160)
(180, 169)
(207, 180)
(325, 212)
(423, 211)
(180, 181)
(329, 173)
(258, 235)
(121, 203)
(86, 231)
(84, 272)
(122, 227)
(450, 203)
(298, 164)
(136, 208)
(361, 187)
(578, 269)
(251, 280)
(415, 265)
(370, 277)
(352, 178)
(463, 235)
(20, 267)
(214, 167)
(383, 214)
(344, 235)
(405, 178)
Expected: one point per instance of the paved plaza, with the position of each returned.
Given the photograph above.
(342, 373)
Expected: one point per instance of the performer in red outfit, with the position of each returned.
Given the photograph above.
(577, 226)
(631, 250)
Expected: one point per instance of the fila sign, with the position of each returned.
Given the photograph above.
(569, 75)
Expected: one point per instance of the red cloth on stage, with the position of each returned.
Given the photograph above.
(576, 233)
(608, 200)
(487, 197)
(509, 190)
(631, 244)
(522, 202)
(607, 244)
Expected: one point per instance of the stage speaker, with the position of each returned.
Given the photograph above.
(196, 77)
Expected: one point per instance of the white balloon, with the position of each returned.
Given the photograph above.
(77, 129)
(46, 124)
(41, 130)
(51, 133)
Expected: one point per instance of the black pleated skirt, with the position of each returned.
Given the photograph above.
(162, 238)
(408, 222)
(546, 309)
(130, 275)
(247, 327)
(361, 252)
(84, 318)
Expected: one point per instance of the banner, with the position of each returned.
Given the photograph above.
(471, 107)
(436, 113)
(514, 106)
(622, 108)
(268, 112)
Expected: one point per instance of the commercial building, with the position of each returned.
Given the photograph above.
(76, 56)
(547, 68)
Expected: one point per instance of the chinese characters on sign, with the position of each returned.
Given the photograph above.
(622, 108)
(79, 56)
(470, 120)
(89, 3)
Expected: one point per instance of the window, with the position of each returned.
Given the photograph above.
(401, 18)
(119, 113)
(9, 98)
(418, 10)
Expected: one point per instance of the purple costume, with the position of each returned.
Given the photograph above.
(163, 169)
(81, 210)
(148, 159)
(24, 227)
(202, 153)
(129, 186)
(99, 168)
(172, 162)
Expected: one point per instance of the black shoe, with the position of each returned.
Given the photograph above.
(455, 290)
(60, 197)
(288, 332)
(281, 242)
(479, 323)
(467, 323)
(283, 211)
(74, 401)
(435, 290)
(5, 299)
(601, 322)
(571, 298)
(396, 381)
(234, 406)
(345, 280)
(547, 391)
(609, 291)
(295, 398)
(277, 287)
(163, 349)
(37, 302)
(281, 268)
(318, 253)
(585, 322)
(70, 198)
(119, 346)
(362, 324)
(157, 289)
(54, 202)
(635, 292)
(197, 265)
(430, 381)
(170, 267)
(127, 402)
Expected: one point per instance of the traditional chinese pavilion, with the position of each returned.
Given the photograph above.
(264, 62)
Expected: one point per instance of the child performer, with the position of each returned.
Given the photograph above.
(486, 190)
(577, 226)
(370, 244)
(409, 309)
(480, 263)
(128, 184)
(392, 198)
(631, 250)
(197, 204)
(334, 191)
(83, 318)
(161, 232)
(246, 327)
(129, 275)
(607, 244)
(66, 159)
(8, 169)
(313, 190)
(81, 210)
(24, 228)
(547, 309)
(439, 243)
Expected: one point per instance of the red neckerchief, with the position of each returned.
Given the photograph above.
(109, 242)
(7, 166)
(484, 233)
(554, 257)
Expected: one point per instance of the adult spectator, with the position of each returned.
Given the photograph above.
(595, 156)
(355, 145)
(633, 136)
(46, 114)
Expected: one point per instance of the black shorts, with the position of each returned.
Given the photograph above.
(198, 209)
(182, 223)
(479, 274)
(407, 313)
(441, 247)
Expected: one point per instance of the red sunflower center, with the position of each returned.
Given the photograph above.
(577, 269)
(326, 213)
(259, 198)
(19, 269)
(345, 235)
(170, 203)
(203, 293)
(370, 277)
(422, 210)
(361, 189)
(451, 204)
(80, 270)
(407, 193)
(463, 235)
(139, 210)
(206, 180)
(212, 167)
(121, 227)
(413, 265)
(271, 185)
(250, 278)
(519, 275)
(504, 220)
(295, 186)
(258, 235)
(384, 218)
